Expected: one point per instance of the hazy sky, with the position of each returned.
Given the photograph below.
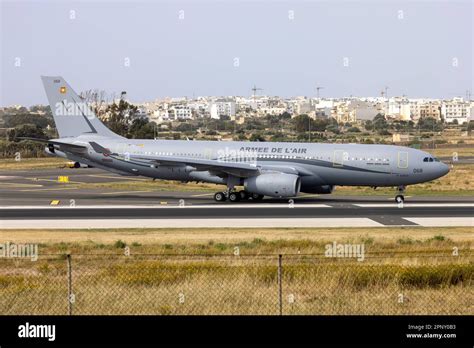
(420, 49)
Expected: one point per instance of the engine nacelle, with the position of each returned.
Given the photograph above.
(274, 185)
(322, 189)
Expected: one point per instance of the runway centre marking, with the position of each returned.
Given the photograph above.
(414, 205)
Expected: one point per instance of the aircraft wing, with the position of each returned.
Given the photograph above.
(240, 169)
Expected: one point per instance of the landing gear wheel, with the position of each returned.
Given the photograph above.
(256, 196)
(234, 197)
(219, 197)
(243, 195)
(399, 199)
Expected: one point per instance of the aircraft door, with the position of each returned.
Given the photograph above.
(338, 158)
(403, 160)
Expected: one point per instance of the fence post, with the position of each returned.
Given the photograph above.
(69, 285)
(280, 292)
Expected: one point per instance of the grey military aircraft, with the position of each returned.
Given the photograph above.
(274, 169)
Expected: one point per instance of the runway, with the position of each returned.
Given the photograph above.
(25, 199)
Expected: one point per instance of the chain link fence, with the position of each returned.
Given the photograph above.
(244, 284)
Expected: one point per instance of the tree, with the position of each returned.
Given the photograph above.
(26, 131)
(185, 127)
(96, 99)
(354, 130)
(369, 125)
(302, 123)
(429, 124)
(380, 123)
(257, 137)
(14, 120)
(470, 126)
(120, 116)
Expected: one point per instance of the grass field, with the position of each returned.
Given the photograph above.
(189, 240)
(408, 270)
(449, 152)
(32, 163)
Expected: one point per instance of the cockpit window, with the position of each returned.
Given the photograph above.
(431, 159)
(425, 159)
(436, 160)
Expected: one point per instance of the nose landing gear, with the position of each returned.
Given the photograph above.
(400, 198)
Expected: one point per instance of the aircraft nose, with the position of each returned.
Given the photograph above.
(444, 169)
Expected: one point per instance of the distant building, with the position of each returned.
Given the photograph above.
(181, 112)
(431, 109)
(398, 138)
(222, 107)
(398, 108)
(364, 110)
(456, 110)
(343, 113)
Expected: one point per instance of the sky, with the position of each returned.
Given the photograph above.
(155, 49)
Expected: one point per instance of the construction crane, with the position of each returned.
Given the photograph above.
(255, 89)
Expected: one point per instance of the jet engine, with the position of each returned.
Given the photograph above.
(274, 184)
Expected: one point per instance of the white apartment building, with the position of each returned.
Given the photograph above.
(398, 108)
(222, 107)
(456, 109)
(182, 112)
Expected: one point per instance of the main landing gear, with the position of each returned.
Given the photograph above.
(400, 198)
(236, 196)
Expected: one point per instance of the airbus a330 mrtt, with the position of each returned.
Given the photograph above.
(275, 169)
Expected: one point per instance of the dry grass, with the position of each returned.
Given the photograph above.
(461, 151)
(459, 181)
(187, 237)
(157, 185)
(236, 285)
(195, 271)
(32, 163)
